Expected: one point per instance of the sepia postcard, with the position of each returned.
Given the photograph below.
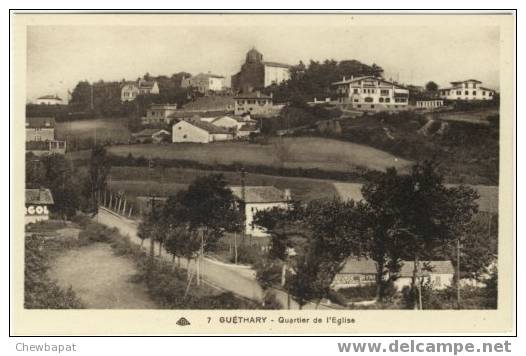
(263, 173)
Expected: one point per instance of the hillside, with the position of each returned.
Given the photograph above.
(465, 146)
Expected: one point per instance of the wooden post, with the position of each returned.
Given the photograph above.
(124, 208)
(111, 198)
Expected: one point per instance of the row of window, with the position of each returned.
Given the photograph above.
(466, 92)
(381, 100)
(252, 102)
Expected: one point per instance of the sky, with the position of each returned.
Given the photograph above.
(60, 56)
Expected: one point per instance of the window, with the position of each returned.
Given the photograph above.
(381, 100)
(490, 93)
(358, 106)
(356, 100)
(474, 92)
(368, 99)
(356, 91)
(179, 127)
(184, 136)
(384, 92)
(387, 100)
(372, 106)
(459, 92)
(483, 93)
(466, 92)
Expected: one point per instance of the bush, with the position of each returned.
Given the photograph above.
(359, 293)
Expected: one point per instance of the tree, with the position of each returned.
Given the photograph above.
(99, 168)
(206, 210)
(430, 214)
(381, 215)
(57, 174)
(431, 86)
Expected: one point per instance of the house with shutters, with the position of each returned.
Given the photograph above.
(469, 90)
(371, 93)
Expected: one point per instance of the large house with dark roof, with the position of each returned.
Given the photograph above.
(198, 131)
(259, 198)
(257, 74)
(470, 89)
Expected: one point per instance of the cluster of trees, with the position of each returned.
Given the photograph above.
(103, 98)
(402, 217)
(71, 188)
(192, 221)
(314, 80)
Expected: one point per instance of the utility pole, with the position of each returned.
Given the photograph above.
(458, 272)
(152, 203)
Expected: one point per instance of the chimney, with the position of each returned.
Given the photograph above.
(352, 77)
(286, 194)
(343, 78)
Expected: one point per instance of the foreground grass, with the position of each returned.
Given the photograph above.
(41, 292)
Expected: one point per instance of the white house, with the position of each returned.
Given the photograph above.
(470, 89)
(362, 271)
(159, 114)
(276, 73)
(130, 90)
(205, 82)
(258, 198)
(38, 202)
(49, 100)
(255, 103)
(199, 131)
(40, 129)
(371, 93)
(439, 273)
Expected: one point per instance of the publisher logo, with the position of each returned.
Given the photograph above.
(183, 322)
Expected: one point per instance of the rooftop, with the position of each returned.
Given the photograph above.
(40, 122)
(55, 97)
(213, 129)
(259, 194)
(253, 95)
(277, 64)
(466, 81)
(39, 196)
(149, 132)
(365, 265)
(355, 79)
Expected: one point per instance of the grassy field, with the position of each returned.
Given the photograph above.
(133, 182)
(104, 130)
(292, 152)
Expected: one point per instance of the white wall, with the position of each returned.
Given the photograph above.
(185, 132)
(41, 134)
(439, 281)
(276, 75)
(251, 209)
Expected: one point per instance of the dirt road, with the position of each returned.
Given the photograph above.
(100, 279)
